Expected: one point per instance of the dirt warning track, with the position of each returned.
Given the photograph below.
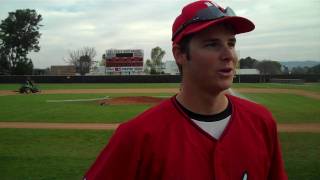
(88, 126)
(307, 127)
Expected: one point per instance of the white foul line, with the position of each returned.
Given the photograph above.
(77, 100)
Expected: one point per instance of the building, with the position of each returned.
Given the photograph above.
(63, 70)
(123, 61)
(247, 72)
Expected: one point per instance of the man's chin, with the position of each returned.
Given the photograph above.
(221, 89)
(226, 85)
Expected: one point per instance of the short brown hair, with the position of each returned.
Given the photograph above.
(184, 47)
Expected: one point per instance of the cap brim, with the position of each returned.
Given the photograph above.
(240, 25)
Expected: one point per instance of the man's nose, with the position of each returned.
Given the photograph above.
(227, 53)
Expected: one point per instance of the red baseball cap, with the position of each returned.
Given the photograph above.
(201, 14)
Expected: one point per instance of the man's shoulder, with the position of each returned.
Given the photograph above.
(247, 105)
(252, 112)
(155, 116)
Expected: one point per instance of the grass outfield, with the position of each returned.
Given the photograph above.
(289, 108)
(35, 108)
(67, 154)
(286, 108)
(94, 86)
(48, 154)
(314, 87)
(301, 155)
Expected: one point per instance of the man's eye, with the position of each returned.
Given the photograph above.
(232, 44)
(212, 44)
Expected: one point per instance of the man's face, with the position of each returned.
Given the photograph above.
(212, 60)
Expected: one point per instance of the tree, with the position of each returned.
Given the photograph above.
(19, 35)
(285, 70)
(247, 63)
(314, 69)
(155, 65)
(24, 66)
(300, 70)
(103, 61)
(268, 67)
(4, 65)
(82, 59)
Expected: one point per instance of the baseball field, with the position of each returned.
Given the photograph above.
(57, 133)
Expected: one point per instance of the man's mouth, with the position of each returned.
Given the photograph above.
(226, 72)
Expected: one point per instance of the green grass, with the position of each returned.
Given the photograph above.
(35, 108)
(93, 86)
(301, 155)
(289, 108)
(48, 154)
(67, 154)
(313, 87)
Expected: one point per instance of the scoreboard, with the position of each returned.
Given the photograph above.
(124, 61)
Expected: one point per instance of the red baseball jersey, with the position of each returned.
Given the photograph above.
(163, 143)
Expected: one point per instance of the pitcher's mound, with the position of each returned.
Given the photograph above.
(132, 100)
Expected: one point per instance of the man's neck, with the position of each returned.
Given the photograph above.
(202, 102)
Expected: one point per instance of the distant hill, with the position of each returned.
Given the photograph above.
(291, 64)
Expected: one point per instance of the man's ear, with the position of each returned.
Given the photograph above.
(178, 55)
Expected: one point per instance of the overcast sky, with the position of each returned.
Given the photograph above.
(285, 29)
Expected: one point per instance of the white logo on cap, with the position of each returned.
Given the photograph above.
(208, 4)
(211, 4)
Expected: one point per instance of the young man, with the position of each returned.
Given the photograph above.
(200, 133)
